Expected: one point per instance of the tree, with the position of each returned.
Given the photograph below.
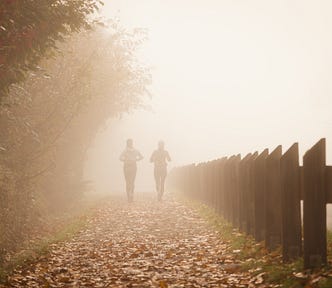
(48, 122)
(32, 29)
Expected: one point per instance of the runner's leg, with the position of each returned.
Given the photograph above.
(130, 175)
(163, 173)
(156, 178)
(127, 178)
(133, 177)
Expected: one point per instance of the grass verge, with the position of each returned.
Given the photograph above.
(256, 259)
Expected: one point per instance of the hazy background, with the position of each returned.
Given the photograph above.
(228, 77)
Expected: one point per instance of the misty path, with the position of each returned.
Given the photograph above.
(143, 244)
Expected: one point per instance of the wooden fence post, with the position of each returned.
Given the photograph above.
(206, 184)
(220, 175)
(243, 190)
(193, 181)
(291, 204)
(314, 206)
(259, 195)
(188, 180)
(328, 183)
(273, 200)
(236, 191)
(187, 171)
(225, 189)
(251, 197)
(200, 182)
(210, 185)
(215, 184)
(197, 182)
(228, 189)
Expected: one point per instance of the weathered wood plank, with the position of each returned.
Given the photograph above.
(273, 200)
(235, 191)
(243, 190)
(314, 206)
(250, 229)
(328, 185)
(291, 204)
(259, 195)
(220, 198)
(228, 190)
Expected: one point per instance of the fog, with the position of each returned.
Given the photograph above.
(229, 77)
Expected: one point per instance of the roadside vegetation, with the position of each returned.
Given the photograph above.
(268, 266)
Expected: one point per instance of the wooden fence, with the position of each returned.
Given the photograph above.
(261, 195)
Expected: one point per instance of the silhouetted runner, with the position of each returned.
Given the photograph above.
(129, 157)
(160, 157)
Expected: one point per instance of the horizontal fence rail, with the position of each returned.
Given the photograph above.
(261, 194)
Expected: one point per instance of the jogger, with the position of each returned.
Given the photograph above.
(129, 157)
(160, 157)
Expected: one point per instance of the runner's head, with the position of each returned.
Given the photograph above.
(161, 145)
(130, 143)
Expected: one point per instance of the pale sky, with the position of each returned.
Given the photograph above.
(229, 77)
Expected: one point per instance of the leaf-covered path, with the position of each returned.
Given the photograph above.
(143, 244)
